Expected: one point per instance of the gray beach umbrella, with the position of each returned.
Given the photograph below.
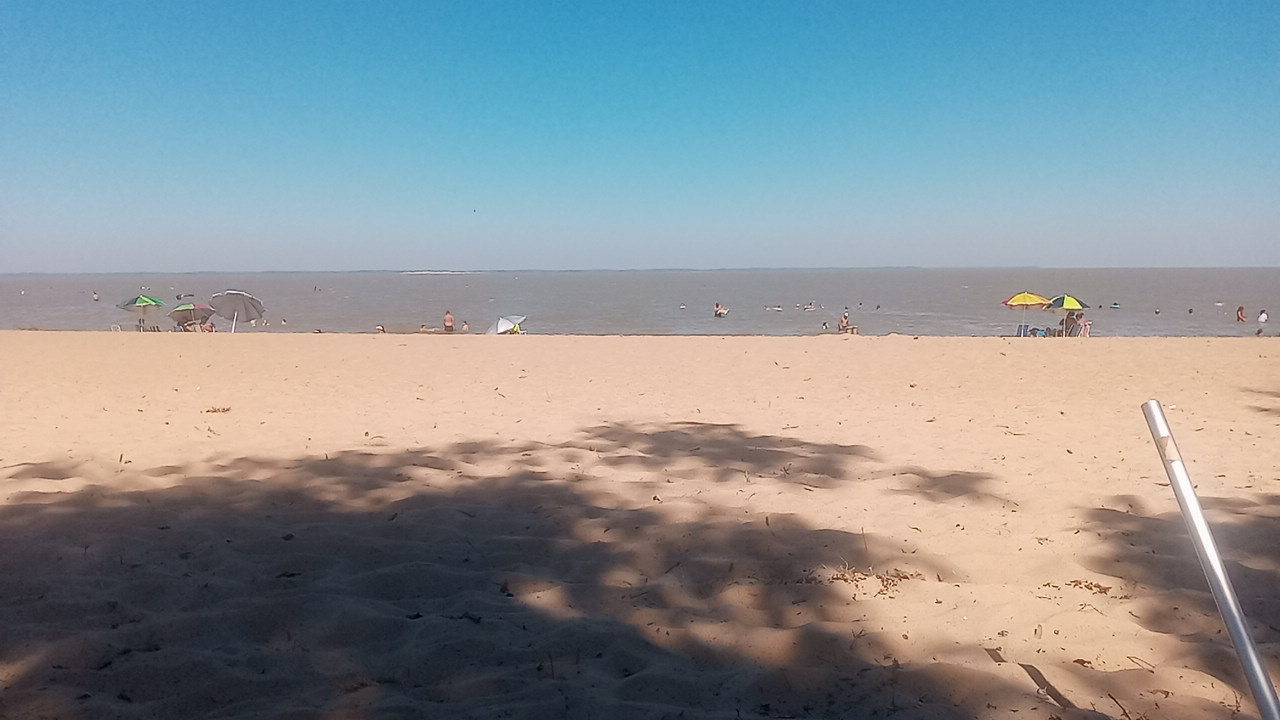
(504, 324)
(237, 306)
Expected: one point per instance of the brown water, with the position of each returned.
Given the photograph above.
(901, 300)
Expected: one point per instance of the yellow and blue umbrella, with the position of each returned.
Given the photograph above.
(1066, 303)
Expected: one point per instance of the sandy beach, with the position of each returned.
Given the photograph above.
(374, 526)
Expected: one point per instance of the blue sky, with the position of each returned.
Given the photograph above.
(201, 136)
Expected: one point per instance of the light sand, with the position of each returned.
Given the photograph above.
(541, 527)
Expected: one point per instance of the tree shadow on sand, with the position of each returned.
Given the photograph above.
(950, 487)
(726, 451)
(1154, 557)
(1272, 398)
(459, 581)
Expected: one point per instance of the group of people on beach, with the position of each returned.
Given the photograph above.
(1262, 319)
(448, 324)
(844, 325)
(1074, 325)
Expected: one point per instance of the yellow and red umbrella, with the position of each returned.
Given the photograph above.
(1026, 300)
(1022, 301)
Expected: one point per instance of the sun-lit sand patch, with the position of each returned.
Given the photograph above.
(934, 528)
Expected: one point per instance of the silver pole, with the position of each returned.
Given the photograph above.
(1264, 693)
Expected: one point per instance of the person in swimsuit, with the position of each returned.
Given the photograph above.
(448, 321)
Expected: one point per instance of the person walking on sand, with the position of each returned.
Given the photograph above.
(1262, 321)
(448, 321)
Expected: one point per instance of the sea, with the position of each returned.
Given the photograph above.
(1194, 302)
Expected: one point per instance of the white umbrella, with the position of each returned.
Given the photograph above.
(504, 324)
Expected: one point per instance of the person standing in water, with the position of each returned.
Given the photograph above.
(1240, 314)
(448, 321)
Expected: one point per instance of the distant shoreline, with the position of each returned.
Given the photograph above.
(437, 332)
(958, 268)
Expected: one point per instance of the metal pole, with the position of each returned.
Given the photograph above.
(1264, 693)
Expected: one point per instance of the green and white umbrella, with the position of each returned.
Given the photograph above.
(142, 306)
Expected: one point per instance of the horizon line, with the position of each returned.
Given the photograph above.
(627, 270)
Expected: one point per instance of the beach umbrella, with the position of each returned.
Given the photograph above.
(191, 313)
(141, 305)
(1024, 300)
(237, 305)
(505, 324)
(1066, 303)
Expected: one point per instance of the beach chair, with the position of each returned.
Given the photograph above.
(1024, 330)
(1075, 331)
